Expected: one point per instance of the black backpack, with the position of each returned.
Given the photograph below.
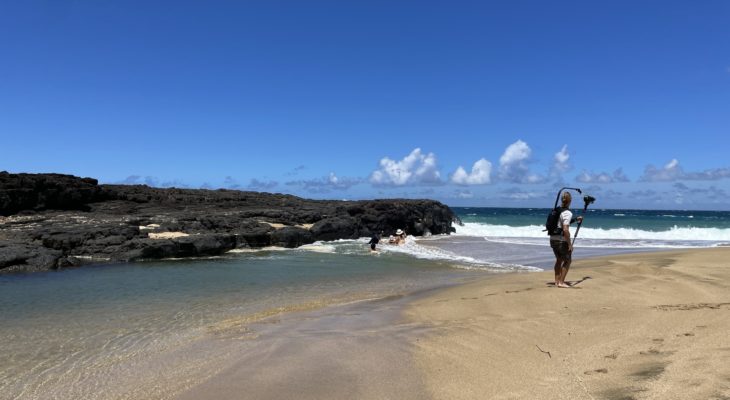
(551, 224)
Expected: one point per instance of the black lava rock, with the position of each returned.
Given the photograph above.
(50, 221)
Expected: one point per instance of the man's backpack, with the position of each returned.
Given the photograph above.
(551, 225)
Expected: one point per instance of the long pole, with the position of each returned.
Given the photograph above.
(579, 224)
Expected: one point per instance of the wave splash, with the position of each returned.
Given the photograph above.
(629, 237)
(411, 248)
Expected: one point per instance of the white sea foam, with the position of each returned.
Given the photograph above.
(411, 248)
(673, 237)
(258, 249)
(318, 247)
(414, 249)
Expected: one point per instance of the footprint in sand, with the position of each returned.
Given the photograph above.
(655, 352)
(690, 307)
(597, 371)
(518, 291)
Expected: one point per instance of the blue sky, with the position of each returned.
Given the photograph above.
(470, 103)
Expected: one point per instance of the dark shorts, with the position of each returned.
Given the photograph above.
(560, 249)
(372, 246)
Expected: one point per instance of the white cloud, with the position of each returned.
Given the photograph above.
(560, 162)
(513, 164)
(519, 194)
(515, 153)
(672, 171)
(296, 171)
(416, 168)
(153, 182)
(602, 177)
(464, 194)
(562, 156)
(480, 174)
(231, 183)
(131, 180)
(711, 193)
(534, 178)
(256, 184)
(325, 184)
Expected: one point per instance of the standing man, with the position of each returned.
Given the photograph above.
(561, 243)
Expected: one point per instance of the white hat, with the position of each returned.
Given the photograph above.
(399, 232)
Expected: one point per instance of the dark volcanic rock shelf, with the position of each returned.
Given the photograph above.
(50, 221)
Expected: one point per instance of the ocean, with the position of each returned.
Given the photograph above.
(151, 329)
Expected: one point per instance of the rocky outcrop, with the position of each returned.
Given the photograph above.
(50, 221)
(19, 192)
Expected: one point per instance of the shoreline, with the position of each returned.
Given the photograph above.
(631, 329)
(637, 326)
(358, 350)
(358, 343)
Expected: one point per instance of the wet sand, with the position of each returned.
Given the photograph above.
(359, 351)
(636, 326)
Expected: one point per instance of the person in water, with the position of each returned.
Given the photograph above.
(561, 244)
(374, 241)
(401, 234)
(399, 238)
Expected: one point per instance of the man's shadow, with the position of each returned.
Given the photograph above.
(572, 283)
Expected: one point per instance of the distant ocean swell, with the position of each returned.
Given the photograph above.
(675, 236)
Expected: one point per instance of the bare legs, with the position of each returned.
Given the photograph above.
(561, 271)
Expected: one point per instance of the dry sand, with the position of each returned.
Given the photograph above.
(638, 326)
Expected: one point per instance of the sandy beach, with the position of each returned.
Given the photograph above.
(638, 326)
(635, 326)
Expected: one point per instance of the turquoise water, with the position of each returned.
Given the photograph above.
(144, 330)
(603, 228)
(645, 220)
(66, 334)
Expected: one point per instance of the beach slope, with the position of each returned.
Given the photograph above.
(638, 326)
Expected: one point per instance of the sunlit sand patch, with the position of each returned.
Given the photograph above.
(167, 235)
(147, 227)
(276, 225)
